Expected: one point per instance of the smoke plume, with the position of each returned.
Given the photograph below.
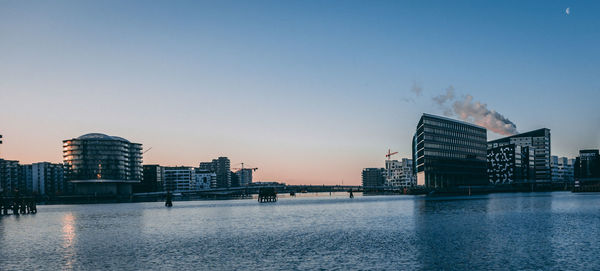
(475, 112)
(417, 89)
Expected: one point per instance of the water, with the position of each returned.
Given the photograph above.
(524, 231)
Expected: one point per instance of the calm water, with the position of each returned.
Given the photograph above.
(531, 231)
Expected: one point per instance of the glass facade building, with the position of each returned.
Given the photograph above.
(102, 164)
(449, 153)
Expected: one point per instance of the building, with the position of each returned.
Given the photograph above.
(44, 178)
(373, 177)
(449, 153)
(203, 179)
(178, 178)
(222, 167)
(399, 174)
(99, 164)
(152, 179)
(539, 142)
(563, 169)
(510, 164)
(245, 176)
(10, 176)
(587, 167)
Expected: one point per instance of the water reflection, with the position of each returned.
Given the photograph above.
(68, 236)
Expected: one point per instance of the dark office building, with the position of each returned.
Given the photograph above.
(10, 176)
(151, 180)
(539, 142)
(449, 153)
(510, 164)
(373, 177)
(587, 166)
(222, 167)
(101, 164)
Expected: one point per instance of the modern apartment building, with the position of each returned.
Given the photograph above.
(10, 174)
(563, 169)
(102, 164)
(222, 167)
(152, 179)
(539, 142)
(373, 177)
(399, 173)
(510, 164)
(44, 178)
(449, 153)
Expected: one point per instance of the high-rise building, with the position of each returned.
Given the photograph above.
(539, 142)
(245, 176)
(44, 178)
(510, 164)
(102, 164)
(449, 153)
(587, 166)
(152, 180)
(563, 169)
(220, 166)
(399, 173)
(373, 177)
(10, 176)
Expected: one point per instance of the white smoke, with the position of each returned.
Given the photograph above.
(475, 112)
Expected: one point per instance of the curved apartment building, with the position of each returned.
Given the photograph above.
(102, 164)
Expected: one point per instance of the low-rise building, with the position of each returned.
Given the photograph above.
(373, 177)
(204, 179)
(587, 167)
(563, 169)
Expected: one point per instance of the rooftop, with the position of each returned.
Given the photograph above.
(453, 120)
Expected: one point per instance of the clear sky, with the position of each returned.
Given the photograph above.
(308, 91)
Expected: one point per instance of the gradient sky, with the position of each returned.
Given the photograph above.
(308, 91)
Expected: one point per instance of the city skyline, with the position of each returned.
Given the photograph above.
(308, 92)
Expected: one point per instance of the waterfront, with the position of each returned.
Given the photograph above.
(532, 231)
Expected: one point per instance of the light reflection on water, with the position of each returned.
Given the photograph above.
(502, 231)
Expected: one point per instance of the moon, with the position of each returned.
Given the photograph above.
(568, 11)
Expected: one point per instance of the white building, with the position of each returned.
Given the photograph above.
(204, 179)
(399, 173)
(177, 178)
(562, 169)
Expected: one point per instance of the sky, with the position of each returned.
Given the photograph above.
(310, 92)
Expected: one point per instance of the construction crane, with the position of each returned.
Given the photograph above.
(390, 153)
(252, 168)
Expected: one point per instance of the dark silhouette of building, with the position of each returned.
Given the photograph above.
(373, 177)
(587, 167)
(101, 164)
(10, 176)
(449, 153)
(539, 142)
(44, 178)
(152, 180)
(510, 164)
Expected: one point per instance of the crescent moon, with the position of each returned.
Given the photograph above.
(568, 11)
